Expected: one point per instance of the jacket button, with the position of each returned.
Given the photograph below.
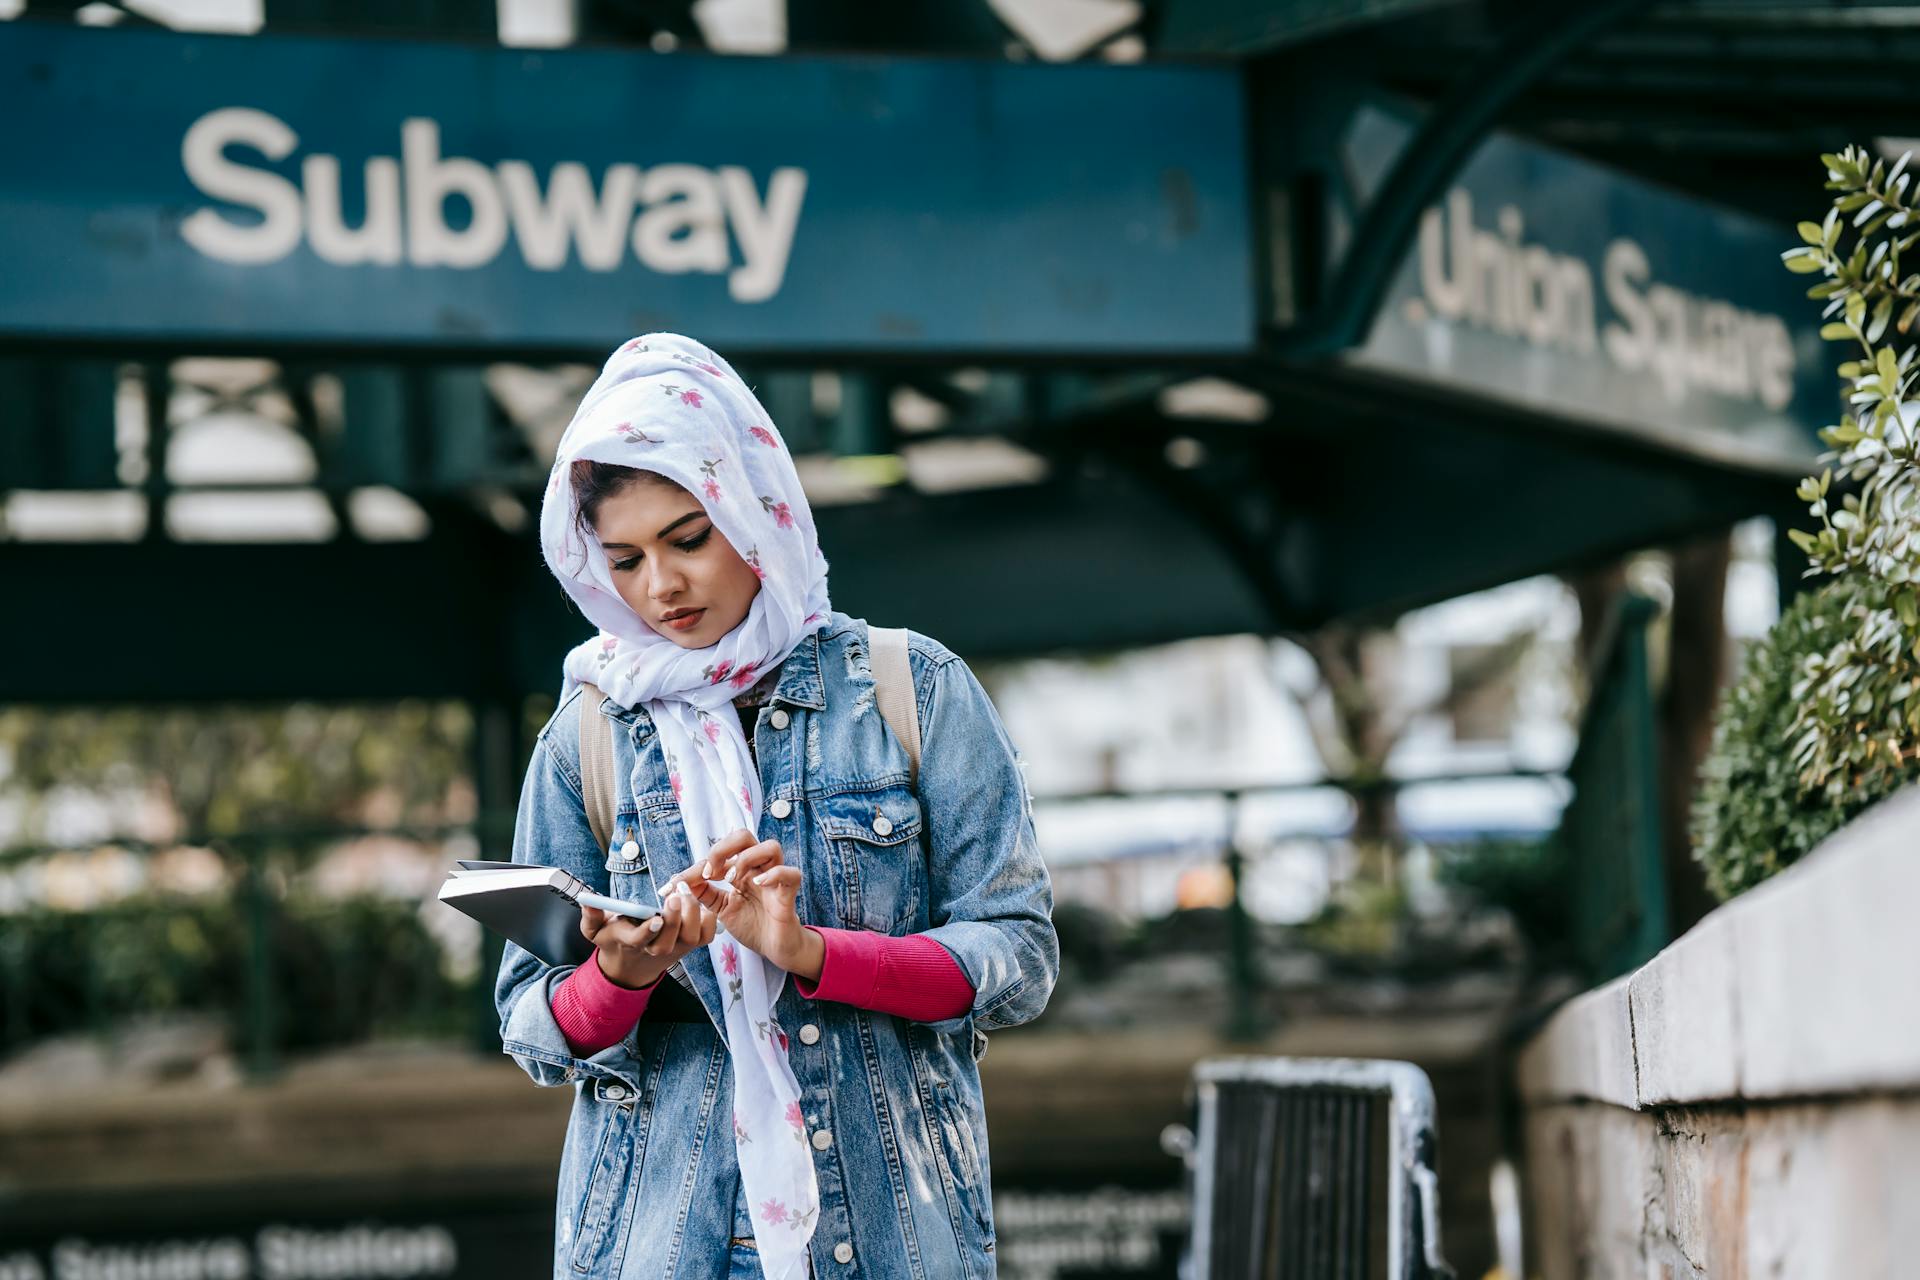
(630, 850)
(843, 1253)
(822, 1139)
(779, 719)
(809, 1034)
(780, 808)
(614, 1092)
(882, 825)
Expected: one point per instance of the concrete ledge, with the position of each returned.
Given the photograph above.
(1803, 987)
(1747, 1104)
(1800, 1190)
(1585, 1051)
(1686, 1026)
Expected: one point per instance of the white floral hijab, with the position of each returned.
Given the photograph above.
(664, 403)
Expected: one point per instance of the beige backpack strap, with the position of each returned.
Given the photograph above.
(893, 690)
(596, 765)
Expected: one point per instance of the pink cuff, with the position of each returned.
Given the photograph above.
(912, 977)
(593, 1011)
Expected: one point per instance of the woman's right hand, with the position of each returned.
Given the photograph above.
(634, 953)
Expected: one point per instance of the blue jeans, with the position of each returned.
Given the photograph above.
(743, 1260)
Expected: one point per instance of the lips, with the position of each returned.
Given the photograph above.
(685, 620)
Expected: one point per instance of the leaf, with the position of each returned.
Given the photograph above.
(1802, 262)
(1886, 363)
(1835, 330)
(1812, 233)
(1882, 313)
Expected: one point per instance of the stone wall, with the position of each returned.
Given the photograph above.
(1748, 1103)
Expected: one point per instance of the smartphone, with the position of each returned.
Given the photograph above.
(614, 906)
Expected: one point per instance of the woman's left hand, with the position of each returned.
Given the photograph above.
(760, 912)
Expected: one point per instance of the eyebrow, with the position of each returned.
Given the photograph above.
(691, 515)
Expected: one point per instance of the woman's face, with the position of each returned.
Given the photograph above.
(667, 559)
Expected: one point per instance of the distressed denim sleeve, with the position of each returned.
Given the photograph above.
(550, 828)
(991, 899)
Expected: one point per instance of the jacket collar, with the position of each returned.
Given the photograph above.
(800, 684)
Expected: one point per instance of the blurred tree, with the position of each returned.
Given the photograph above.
(1358, 711)
(1696, 673)
(233, 769)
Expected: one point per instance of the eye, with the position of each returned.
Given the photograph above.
(694, 543)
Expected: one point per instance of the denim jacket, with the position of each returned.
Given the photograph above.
(893, 1107)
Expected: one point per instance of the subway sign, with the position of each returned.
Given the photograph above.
(1564, 286)
(677, 218)
(269, 190)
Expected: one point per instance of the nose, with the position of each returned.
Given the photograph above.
(664, 584)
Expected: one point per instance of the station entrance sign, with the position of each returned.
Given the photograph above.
(274, 191)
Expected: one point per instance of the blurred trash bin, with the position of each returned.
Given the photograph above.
(1310, 1169)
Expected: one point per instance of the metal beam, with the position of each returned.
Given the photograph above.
(1430, 161)
(1252, 27)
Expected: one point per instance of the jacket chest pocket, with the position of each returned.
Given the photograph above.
(873, 844)
(630, 860)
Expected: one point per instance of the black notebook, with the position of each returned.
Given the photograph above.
(537, 908)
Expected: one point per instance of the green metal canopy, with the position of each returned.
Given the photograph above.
(1473, 325)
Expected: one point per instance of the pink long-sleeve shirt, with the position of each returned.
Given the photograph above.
(911, 977)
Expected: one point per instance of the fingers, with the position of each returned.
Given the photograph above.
(705, 894)
(633, 934)
(751, 861)
(781, 882)
(664, 928)
(682, 923)
(692, 920)
(695, 878)
(723, 848)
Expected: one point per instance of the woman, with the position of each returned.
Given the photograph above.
(800, 1095)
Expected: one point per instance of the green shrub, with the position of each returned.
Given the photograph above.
(1759, 806)
(343, 970)
(1526, 878)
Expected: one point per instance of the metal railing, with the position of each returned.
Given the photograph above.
(1609, 834)
(281, 964)
(262, 904)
